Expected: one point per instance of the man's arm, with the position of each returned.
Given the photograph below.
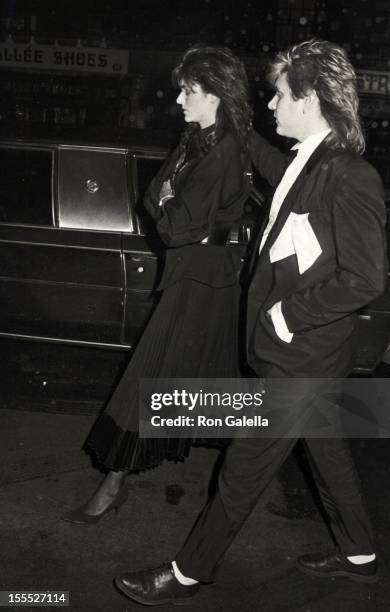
(267, 159)
(359, 220)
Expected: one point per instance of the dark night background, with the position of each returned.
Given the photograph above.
(154, 32)
(50, 395)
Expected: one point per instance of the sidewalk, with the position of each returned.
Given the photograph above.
(44, 474)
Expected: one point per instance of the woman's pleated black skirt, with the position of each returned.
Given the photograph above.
(192, 334)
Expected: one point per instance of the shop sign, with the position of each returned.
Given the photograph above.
(52, 57)
(373, 82)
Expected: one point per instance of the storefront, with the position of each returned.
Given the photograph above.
(53, 89)
(374, 91)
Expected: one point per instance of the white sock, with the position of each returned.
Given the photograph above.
(361, 559)
(180, 577)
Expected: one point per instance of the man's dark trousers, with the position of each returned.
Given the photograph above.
(249, 466)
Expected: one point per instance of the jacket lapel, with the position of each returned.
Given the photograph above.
(290, 201)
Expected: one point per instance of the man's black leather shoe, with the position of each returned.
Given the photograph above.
(155, 587)
(335, 564)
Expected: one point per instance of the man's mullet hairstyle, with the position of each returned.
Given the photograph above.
(324, 67)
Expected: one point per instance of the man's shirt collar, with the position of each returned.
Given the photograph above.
(307, 146)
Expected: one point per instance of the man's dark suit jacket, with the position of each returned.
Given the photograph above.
(338, 199)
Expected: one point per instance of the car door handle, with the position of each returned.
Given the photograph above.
(365, 317)
(91, 185)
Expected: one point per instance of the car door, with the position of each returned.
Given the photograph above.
(142, 250)
(61, 273)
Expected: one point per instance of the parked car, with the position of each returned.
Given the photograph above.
(78, 263)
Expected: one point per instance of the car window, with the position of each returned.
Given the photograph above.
(93, 189)
(147, 169)
(26, 186)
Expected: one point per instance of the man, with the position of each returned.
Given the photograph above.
(321, 258)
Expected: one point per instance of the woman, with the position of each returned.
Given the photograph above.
(194, 200)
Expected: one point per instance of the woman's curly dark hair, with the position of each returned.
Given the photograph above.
(219, 72)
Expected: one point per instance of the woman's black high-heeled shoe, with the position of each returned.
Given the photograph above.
(80, 517)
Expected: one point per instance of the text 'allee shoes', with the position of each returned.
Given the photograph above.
(334, 564)
(155, 587)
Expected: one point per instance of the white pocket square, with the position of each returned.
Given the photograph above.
(297, 236)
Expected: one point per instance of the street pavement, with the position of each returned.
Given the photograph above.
(45, 473)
